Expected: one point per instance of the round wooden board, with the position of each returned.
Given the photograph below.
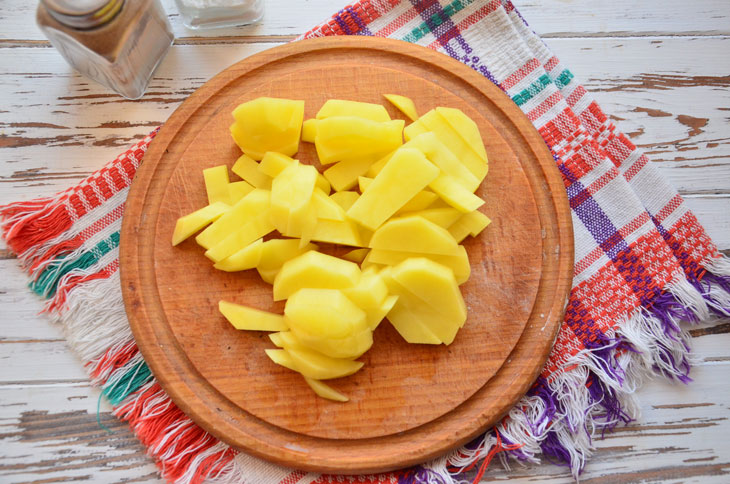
(409, 402)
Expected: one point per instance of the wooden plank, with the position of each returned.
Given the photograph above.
(51, 432)
(550, 18)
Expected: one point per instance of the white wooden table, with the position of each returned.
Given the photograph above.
(661, 68)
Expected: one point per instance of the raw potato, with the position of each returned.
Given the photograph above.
(417, 202)
(268, 124)
(349, 137)
(244, 317)
(405, 174)
(314, 270)
(191, 223)
(339, 107)
(404, 105)
(216, 184)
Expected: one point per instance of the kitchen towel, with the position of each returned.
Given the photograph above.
(643, 263)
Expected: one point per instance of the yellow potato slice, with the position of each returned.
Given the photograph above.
(453, 193)
(406, 174)
(320, 367)
(248, 169)
(309, 130)
(340, 107)
(323, 314)
(471, 223)
(414, 234)
(326, 207)
(345, 199)
(314, 270)
(459, 264)
(241, 237)
(325, 391)
(348, 137)
(268, 124)
(441, 156)
(282, 358)
(344, 174)
(248, 208)
(442, 216)
(466, 127)
(404, 105)
(192, 222)
(272, 164)
(216, 184)
(435, 285)
(356, 255)
(291, 196)
(238, 190)
(246, 258)
(275, 252)
(247, 318)
(349, 347)
(343, 232)
(377, 316)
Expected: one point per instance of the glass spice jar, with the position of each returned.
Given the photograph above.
(117, 43)
(205, 14)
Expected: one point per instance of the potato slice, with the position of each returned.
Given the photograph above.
(275, 252)
(459, 264)
(246, 258)
(349, 347)
(282, 358)
(404, 105)
(268, 124)
(345, 199)
(442, 216)
(340, 107)
(406, 174)
(309, 130)
(414, 234)
(320, 367)
(323, 314)
(325, 391)
(314, 270)
(238, 190)
(326, 207)
(356, 255)
(348, 137)
(241, 238)
(244, 317)
(192, 222)
(248, 208)
(466, 127)
(471, 223)
(344, 174)
(470, 156)
(216, 184)
(343, 232)
(453, 193)
(435, 285)
(376, 317)
(441, 156)
(272, 164)
(291, 196)
(248, 169)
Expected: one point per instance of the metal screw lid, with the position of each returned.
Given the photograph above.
(83, 14)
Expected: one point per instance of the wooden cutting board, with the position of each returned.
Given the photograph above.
(409, 402)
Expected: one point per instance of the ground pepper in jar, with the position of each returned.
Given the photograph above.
(117, 43)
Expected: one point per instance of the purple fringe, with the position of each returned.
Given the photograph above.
(605, 351)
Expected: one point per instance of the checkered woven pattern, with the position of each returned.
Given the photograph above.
(642, 263)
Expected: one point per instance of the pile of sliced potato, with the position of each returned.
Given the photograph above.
(404, 208)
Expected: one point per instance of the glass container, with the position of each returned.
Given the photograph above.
(117, 43)
(205, 14)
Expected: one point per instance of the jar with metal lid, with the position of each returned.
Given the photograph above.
(205, 14)
(117, 43)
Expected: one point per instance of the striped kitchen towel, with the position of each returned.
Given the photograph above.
(642, 264)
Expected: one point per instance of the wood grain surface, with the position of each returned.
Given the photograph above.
(410, 402)
(659, 68)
